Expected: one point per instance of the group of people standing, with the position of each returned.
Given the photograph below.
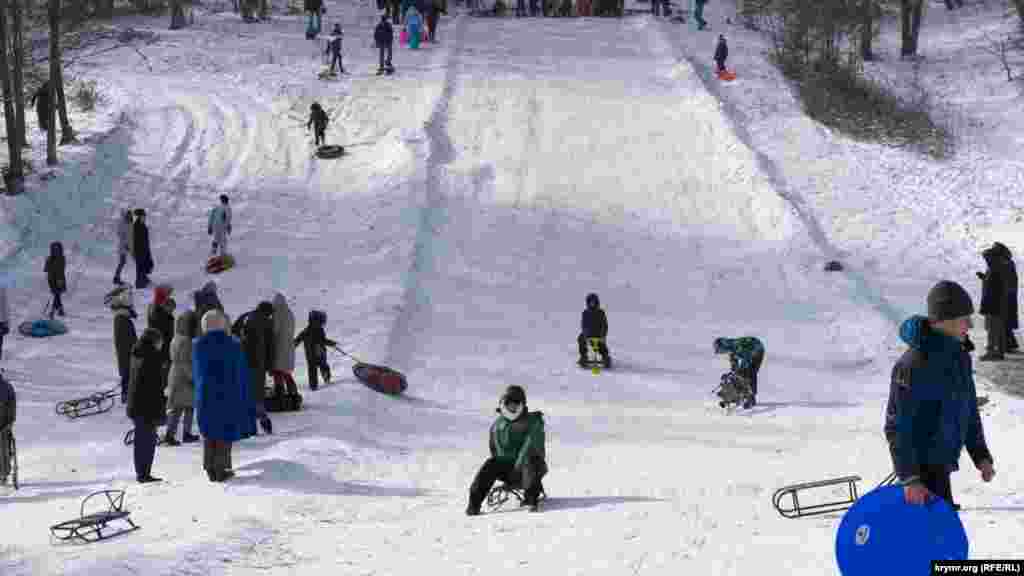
(999, 301)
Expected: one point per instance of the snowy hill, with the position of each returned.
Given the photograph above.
(497, 178)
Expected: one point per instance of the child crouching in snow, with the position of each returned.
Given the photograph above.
(745, 356)
(318, 119)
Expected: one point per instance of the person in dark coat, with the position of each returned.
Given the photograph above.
(5, 318)
(8, 414)
(433, 15)
(206, 299)
(140, 249)
(384, 38)
(54, 269)
(318, 120)
(160, 315)
(1012, 317)
(334, 49)
(41, 100)
(594, 324)
(255, 329)
(994, 304)
(223, 404)
(518, 455)
(721, 53)
(124, 336)
(124, 230)
(146, 402)
(315, 341)
(932, 411)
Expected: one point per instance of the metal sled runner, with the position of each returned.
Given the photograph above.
(798, 510)
(501, 493)
(90, 527)
(97, 403)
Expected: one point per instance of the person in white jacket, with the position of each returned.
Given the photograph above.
(5, 318)
(219, 226)
(124, 233)
(282, 361)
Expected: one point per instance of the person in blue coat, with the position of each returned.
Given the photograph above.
(414, 22)
(932, 412)
(223, 402)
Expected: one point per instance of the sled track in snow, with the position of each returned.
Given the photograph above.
(415, 301)
(863, 289)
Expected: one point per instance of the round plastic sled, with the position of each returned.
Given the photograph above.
(883, 534)
(42, 328)
(218, 264)
(329, 151)
(727, 75)
(380, 378)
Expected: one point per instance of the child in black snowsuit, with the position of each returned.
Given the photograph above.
(316, 341)
(594, 324)
(721, 53)
(318, 119)
(384, 39)
(334, 49)
(54, 269)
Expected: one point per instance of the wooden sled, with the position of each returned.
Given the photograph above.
(218, 264)
(90, 527)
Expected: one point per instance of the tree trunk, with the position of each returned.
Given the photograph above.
(51, 134)
(105, 8)
(12, 178)
(177, 15)
(910, 16)
(18, 67)
(867, 29)
(67, 135)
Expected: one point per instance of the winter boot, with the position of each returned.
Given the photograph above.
(472, 510)
(170, 440)
(267, 425)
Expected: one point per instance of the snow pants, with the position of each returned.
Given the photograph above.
(581, 341)
(175, 417)
(385, 56)
(220, 243)
(528, 478)
(995, 326)
(5, 455)
(414, 37)
(144, 447)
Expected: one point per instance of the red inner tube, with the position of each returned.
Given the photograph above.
(380, 378)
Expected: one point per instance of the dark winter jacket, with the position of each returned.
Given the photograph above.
(1012, 318)
(257, 342)
(162, 320)
(8, 403)
(515, 441)
(206, 299)
(334, 45)
(721, 51)
(225, 410)
(318, 119)
(594, 323)
(146, 388)
(315, 6)
(315, 340)
(994, 293)
(124, 341)
(384, 34)
(932, 412)
(140, 247)
(54, 269)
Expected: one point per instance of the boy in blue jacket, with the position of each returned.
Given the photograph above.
(932, 412)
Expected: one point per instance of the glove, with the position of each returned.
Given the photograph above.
(981, 275)
(209, 230)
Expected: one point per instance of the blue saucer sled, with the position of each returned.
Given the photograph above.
(882, 534)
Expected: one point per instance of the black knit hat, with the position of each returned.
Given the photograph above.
(948, 300)
(515, 393)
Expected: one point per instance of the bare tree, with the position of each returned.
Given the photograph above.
(51, 134)
(1001, 49)
(910, 18)
(18, 57)
(14, 174)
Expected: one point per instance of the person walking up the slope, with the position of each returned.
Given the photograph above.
(384, 38)
(334, 49)
(745, 357)
(721, 53)
(318, 120)
(315, 341)
(594, 324)
(932, 411)
(218, 225)
(517, 452)
(54, 269)
(124, 231)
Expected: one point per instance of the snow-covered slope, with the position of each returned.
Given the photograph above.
(497, 178)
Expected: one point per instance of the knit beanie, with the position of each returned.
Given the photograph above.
(948, 300)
